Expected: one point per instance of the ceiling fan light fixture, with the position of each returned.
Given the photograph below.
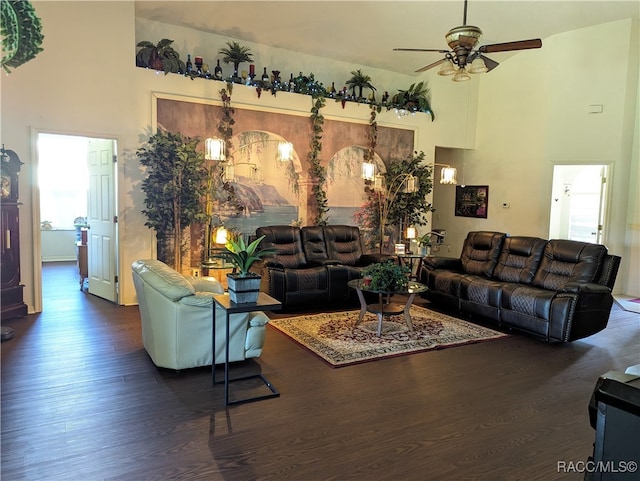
(461, 75)
(478, 66)
(447, 68)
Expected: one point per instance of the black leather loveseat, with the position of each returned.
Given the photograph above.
(559, 290)
(312, 265)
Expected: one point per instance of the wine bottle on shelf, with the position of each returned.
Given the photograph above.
(217, 71)
(265, 75)
(189, 64)
(332, 92)
(292, 83)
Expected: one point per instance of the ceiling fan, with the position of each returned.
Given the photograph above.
(464, 57)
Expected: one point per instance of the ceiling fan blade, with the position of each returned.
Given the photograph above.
(490, 64)
(431, 65)
(420, 50)
(508, 46)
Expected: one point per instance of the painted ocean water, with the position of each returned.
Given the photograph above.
(286, 215)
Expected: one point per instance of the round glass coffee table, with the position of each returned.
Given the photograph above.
(384, 306)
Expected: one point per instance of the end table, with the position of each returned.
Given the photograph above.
(264, 303)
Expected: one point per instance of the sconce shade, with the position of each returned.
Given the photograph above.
(411, 184)
(448, 175)
(461, 75)
(447, 68)
(478, 66)
(285, 151)
(378, 182)
(221, 235)
(368, 171)
(411, 232)
(214, 149)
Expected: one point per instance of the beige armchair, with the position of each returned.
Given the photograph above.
(177, 317)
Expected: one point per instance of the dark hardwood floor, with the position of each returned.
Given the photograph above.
(81, 400)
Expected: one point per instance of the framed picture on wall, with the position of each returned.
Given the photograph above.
(472, 201)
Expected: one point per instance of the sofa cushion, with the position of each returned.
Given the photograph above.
(163, 278)
(287, 243)
(343, 243)
(480, 252)
(519, 259)
(569, 261)
(313, 243)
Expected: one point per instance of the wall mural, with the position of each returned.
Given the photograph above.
(273, 192)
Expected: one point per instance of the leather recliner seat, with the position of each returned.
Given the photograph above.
(559, 290)
(312, 265)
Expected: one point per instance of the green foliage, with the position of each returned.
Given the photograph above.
(175, 183)
(21, 32)
(236, 54)
(243, 256)
(317, 172)
(387, 276)
(411, 208)
(414, 99)
(160, 56)
(360, 81)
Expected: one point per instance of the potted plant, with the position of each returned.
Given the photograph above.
(174, 186)
(244, 286)
(414, 99)
(236, 54)
(361, 81)
(386, 276)
(160, 56)
(424, 242)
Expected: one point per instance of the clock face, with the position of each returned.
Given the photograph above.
(5, 189)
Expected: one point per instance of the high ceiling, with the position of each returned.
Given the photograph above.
(365, 32)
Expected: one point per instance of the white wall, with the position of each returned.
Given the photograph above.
(85, 82)
(532, 114)
(58, 245)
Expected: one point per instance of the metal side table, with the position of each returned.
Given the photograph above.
(264, 303)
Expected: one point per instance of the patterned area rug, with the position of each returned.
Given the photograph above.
(332, 337)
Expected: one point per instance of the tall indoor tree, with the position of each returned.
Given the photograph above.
(174, 187)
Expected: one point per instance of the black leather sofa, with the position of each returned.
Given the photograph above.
(559, 290)
(312, 265)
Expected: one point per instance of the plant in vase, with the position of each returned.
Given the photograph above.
(160, 56)
(386, 276)
(236, 54)
(244, 286)
(360, 81)
(424, 243)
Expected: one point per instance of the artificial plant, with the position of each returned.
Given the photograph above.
(359, 80)
(174, 186)
(161, 56)
(21, 31)
(236, 54)
(415, 99)
(317, 171)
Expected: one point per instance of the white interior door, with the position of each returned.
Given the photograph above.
(578, 203)
(101, 217)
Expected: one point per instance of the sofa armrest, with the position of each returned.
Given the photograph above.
(201, 284)
(579, 287)
(199, 299)
(273, 264)
(449, 263)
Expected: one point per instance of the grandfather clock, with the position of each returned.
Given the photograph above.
(11, 289)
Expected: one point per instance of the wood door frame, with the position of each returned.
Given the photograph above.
(36, 217)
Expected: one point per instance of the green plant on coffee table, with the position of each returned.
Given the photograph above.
(387, 276)
(242, 256)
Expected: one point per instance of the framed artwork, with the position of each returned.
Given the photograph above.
(472, 201)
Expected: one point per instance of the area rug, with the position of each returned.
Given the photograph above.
(332, 338)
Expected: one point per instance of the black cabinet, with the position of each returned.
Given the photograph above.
(10, 287)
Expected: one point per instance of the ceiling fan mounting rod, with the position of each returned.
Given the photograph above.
(464, 17)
